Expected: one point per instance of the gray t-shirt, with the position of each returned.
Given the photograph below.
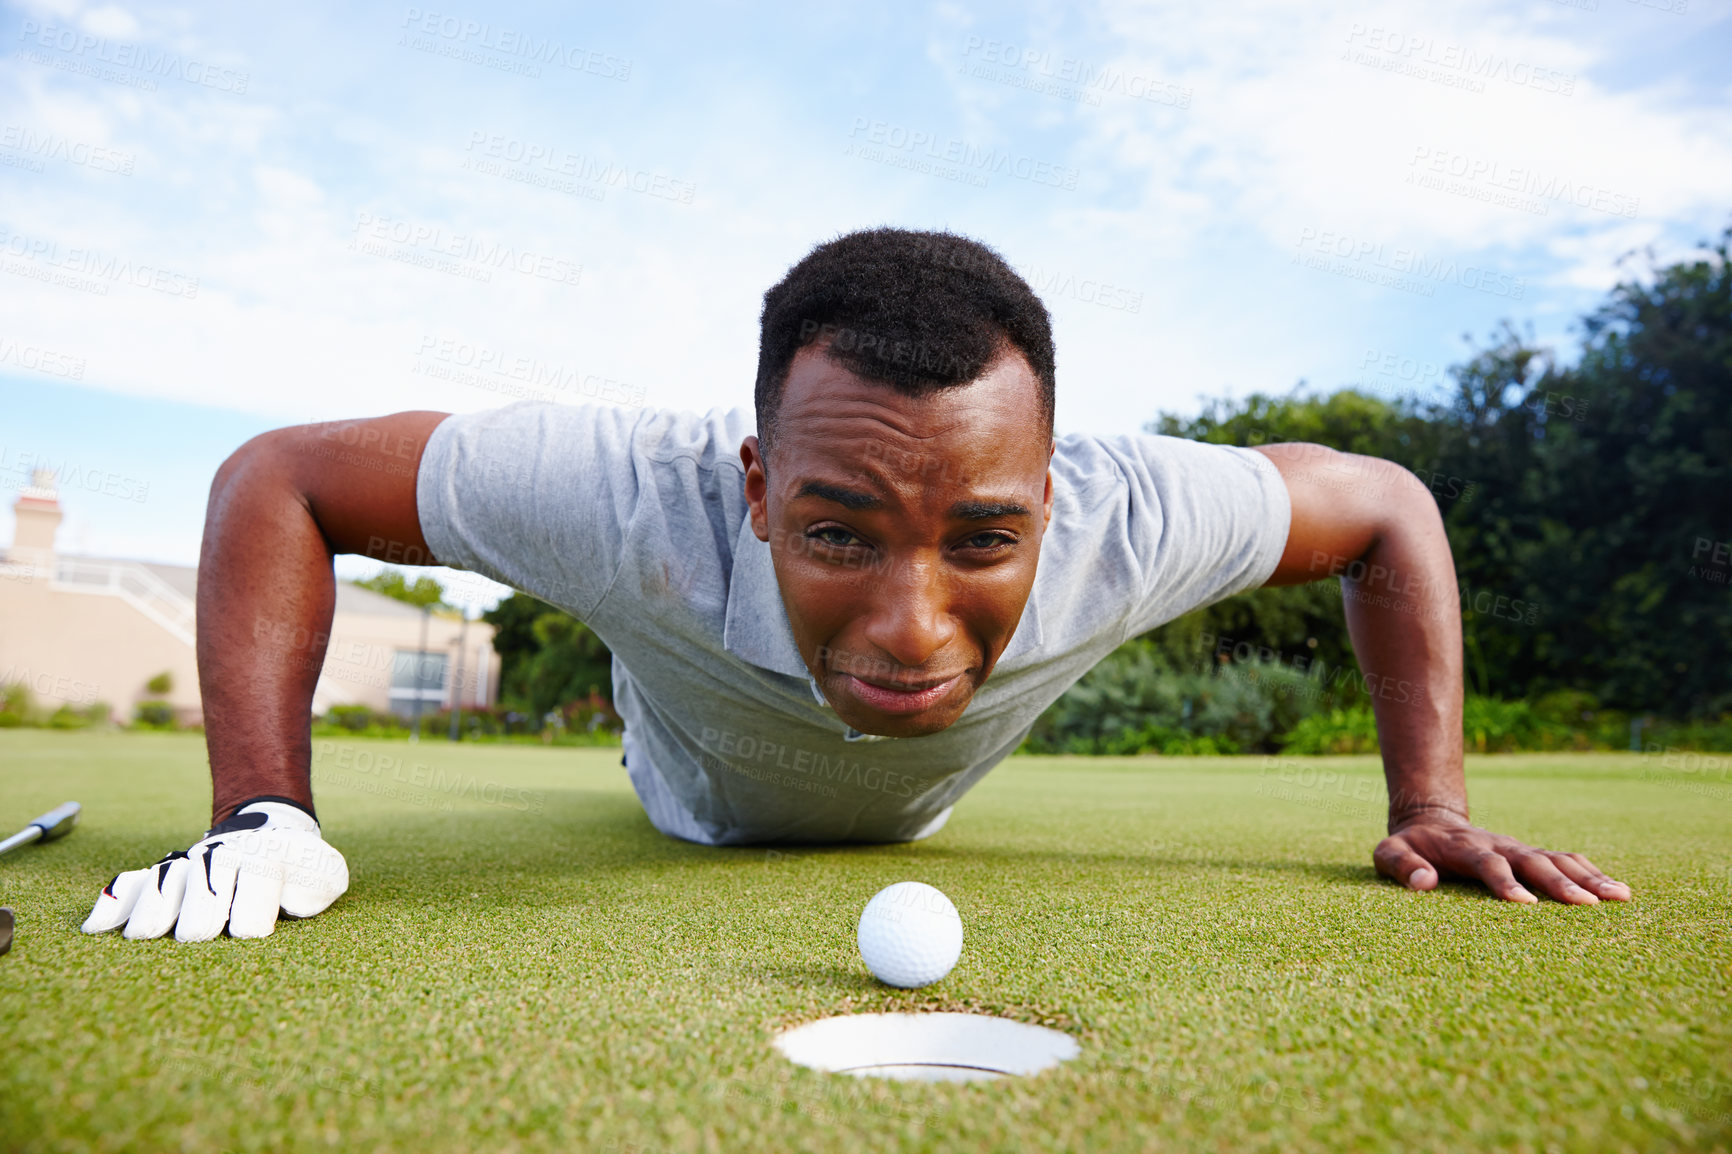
(636, 522)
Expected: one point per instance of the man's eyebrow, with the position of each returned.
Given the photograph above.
(847, 498)
(986, 510)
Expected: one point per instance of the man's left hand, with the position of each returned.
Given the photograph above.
(1435, 845)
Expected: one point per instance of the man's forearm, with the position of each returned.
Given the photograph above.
(1382, 535)
(280, 509)
(1404, 616)
(266, 593)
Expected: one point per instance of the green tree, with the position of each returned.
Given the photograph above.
(548, 658)
(1609, 496)
(1301, 625)
(1596, 497)
(571, 664)
(513, 621)
(423, 593)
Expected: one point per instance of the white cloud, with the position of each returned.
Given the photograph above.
(59, 9)
(1194, 209)
(109, 21)
(1290, 129)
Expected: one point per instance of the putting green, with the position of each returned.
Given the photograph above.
(523, 963)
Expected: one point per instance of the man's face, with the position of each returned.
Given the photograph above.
(905, 532)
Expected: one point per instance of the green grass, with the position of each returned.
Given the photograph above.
(541, 970)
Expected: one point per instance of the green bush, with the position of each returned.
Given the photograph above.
(154, 715)
(1572, 708)
(18, 708)
(1140, 700)
(161, 685)
(1349, 730)
(1136, 702)
(69, 717)
(580, 724)
(360, 721)
(1714, 736)
(1489, 725)
(354, 718)
(15, 704)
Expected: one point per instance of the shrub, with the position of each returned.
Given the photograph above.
(1135, 702)
(161, 685)
(594, 715)
(1568, 707)
(1488, 725)
(1715, 735)
(18, 708)
(154, 715)
(70, 717)
(1492, 726)
(1349, 730)
(15, 704)
(354, 718)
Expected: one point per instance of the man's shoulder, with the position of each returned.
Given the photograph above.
(711, 439)
(665, 432)
(1108, 455)
(530, 436)
(1142, 519)
(1091, 470)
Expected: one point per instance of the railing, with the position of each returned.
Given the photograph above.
(134, 584)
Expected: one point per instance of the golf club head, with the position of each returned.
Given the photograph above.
(58, 822)
(5, 929)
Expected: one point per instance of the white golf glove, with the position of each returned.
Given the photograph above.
(267, 856)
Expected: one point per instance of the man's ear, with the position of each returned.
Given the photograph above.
(758, 486)
(1046, 501)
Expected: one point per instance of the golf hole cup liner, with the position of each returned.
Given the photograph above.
(936, 1047)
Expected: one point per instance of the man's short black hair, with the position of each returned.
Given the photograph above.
(916, 310)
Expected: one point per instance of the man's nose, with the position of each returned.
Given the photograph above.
(910, 617)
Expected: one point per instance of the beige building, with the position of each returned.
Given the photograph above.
(81, 630)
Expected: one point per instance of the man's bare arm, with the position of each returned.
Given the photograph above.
(1375, 526)
(280, 508)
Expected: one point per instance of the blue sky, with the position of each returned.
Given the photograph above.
(215, 220)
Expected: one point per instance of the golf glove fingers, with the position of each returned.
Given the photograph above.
(268, 856)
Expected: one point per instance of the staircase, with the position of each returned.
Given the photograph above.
(134, 584)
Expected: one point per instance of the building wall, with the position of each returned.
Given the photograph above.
(360, 660)
(77, 648)
(83, 642)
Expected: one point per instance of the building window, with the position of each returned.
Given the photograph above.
(417, 676)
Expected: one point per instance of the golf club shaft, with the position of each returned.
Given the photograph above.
(57, 822)
(23, 837)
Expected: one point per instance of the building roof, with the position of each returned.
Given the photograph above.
(351, 598)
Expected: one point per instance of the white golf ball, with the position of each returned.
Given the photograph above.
(910, 935)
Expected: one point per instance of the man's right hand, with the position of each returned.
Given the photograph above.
(268, 856)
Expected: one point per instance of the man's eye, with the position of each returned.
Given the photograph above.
(988, 541)
(834, 537)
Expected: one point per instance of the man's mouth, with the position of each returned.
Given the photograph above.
(912, 696)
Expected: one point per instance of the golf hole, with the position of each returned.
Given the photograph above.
(926, 1047)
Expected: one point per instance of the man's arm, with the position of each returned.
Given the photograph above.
(280, 508)
(1376, 527)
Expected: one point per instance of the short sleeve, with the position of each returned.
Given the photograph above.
(538, 496)
(1193, 522)
(1211, 521)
